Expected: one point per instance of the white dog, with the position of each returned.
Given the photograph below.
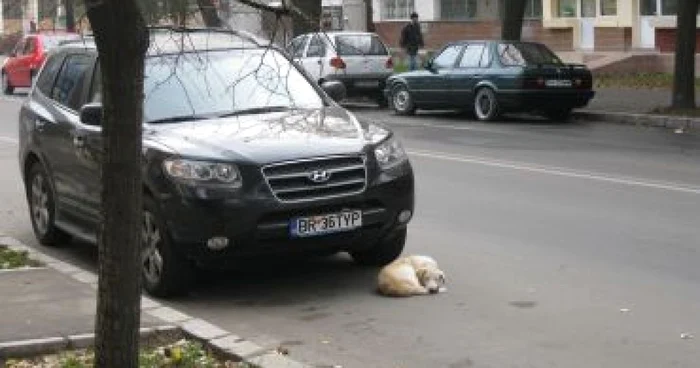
(411, 275)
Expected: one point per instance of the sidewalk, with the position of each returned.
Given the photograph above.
(42, 303)
(639, 101)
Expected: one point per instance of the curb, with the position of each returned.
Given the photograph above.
(49, 345)
(649, 120)
(212, 336)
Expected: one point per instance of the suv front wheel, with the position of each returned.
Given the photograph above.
(383, 253)
(165, 271)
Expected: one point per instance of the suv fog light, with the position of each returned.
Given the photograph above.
(217, 243)
(404, 216)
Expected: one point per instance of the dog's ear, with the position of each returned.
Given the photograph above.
(421, 274)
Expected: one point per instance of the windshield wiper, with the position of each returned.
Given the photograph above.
(178, 119)
(255, 110)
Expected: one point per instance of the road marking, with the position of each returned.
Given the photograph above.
(558, 171)
(9, 140)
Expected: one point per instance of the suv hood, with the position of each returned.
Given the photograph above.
(263, 138)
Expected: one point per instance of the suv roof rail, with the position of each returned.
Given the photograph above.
(82, 40)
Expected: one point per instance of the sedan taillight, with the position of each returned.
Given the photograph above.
(533, 82)
(337, 63)
(390, 63)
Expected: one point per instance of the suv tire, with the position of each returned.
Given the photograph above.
(164, 271)
(382, 253)
(42, 207)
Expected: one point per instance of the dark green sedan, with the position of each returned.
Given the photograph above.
(493, 77)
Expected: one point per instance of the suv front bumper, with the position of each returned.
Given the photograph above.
(260, 226)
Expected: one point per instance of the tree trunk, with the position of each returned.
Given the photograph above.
(312, 10)
(70, 16)
(513, 13)
(684, 70)
(122, 39)
(209, 14)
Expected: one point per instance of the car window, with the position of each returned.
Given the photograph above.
(316, 47)
(296, 48)
(50, 42)
(471, 58)
(362, 44)
(48, 73)
(96, 85)
(19, 49)
(29, 46)
(223, 82)
(485, 61)
(448, 57)
(68, 88)
(523, 54)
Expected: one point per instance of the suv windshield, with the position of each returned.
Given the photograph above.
(524, 54)
(214, 83)
(360, 45)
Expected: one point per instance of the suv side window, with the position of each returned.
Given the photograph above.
(48, 73)
(317, 48)
(96, 87)
(68, 90)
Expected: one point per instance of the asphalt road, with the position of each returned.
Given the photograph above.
(564, 245)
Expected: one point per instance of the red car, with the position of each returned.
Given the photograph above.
(28, 56)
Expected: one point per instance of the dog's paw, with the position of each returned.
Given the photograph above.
(442, 290)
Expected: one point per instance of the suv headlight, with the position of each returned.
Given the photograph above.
(204, 172)
(390, 153)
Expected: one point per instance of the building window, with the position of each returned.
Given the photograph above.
(588, 9)
(458, 9)
(608, 7)
(647, 7)
(566, 8)
(533, 9)
(396, 9)
(669, 7)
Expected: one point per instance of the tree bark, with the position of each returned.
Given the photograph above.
(513, 14)
(209, 14)
(70, 15)
(310, 22)
(684, 69)
(122, 40)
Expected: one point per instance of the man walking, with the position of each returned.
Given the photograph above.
(412, 40)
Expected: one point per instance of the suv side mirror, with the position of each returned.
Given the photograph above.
(429, 65)
(335, 89)
(91, 114)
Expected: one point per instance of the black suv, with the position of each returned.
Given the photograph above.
(243, 156)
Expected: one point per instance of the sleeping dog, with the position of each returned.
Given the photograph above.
(411, 275)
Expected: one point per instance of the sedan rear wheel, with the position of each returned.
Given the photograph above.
(6, 86)
(485, 105)
(402, 100)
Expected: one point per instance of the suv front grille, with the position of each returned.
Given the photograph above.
(292, 181)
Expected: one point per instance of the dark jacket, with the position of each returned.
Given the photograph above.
(411, 38)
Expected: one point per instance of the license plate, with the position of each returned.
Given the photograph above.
(325, 224)
(367, 84)
(558, 83)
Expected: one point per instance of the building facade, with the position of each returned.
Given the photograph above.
(564, 25)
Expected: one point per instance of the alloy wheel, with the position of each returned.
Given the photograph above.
(151, 258)
(40, 204)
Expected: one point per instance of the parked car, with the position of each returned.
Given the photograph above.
(244, 156)
(493, 77)
(358, 59)
(22, 65)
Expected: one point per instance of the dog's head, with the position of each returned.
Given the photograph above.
(431, 278)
